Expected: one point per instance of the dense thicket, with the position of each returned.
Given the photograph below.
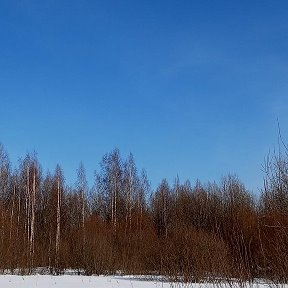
(218, 231)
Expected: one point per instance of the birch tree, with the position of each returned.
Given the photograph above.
(130, 186)
(109, 186)
(82, 190)
(161, 208)
(59, 190)
(30, 178)
(143, 190)
(5, 170)
(5, 193)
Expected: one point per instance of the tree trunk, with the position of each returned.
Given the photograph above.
(32, 224)
(58, 227)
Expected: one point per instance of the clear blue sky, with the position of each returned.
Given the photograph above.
(189, 87)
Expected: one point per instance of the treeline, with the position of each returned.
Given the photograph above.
(188, 232)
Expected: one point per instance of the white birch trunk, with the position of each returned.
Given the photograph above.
(58, 224)
(32, 224)
(83, 220)
(18, 216)
(27, 206)
(12, 214)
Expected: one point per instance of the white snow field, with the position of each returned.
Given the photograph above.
(73, 281)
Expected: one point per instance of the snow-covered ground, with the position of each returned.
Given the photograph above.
(73, 281)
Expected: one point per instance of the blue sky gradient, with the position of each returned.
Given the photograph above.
(192, 88)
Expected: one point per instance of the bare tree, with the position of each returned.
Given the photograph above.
(130, 181)
(5, 171)
(141, 196)
(161, 207)
(109, 186)
(82, 189)
(59, 181)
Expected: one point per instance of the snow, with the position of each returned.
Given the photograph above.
(73, 281)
